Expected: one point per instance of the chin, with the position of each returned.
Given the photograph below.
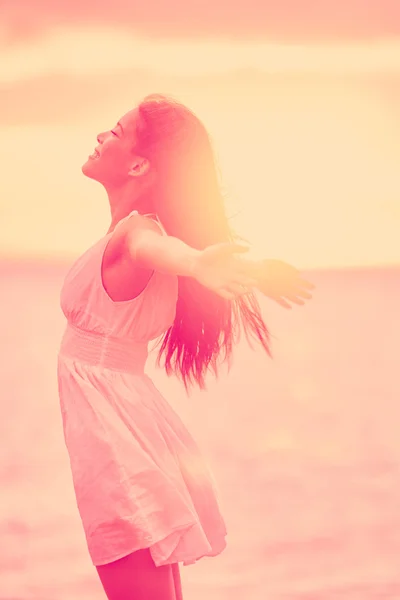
(88, 170)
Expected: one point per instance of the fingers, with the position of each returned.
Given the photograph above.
(282, 302)
(306, 284)
(291, 297)
(295, 300)
(305, 295)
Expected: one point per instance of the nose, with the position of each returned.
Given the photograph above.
(100, 138)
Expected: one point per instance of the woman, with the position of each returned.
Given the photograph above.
(167, 269)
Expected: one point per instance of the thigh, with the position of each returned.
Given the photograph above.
(135, 577)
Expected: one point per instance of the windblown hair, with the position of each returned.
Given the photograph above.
(189, 203)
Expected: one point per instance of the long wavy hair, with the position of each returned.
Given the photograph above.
(188, 200)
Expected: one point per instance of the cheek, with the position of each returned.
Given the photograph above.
(114, 163)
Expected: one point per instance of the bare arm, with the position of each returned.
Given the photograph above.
(217, 267)
(149, 249)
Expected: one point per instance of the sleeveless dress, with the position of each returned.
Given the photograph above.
(140, 480)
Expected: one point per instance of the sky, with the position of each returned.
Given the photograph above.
(301, 99)
(284, 21)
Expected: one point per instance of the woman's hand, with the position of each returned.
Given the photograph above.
(217, 269)
(282, 283)
(230, 276)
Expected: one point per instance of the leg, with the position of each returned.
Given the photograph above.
(177, 581)
(135, 577)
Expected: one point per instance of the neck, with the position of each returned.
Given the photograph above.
(122, 203)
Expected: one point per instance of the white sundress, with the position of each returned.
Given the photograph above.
(140, 480)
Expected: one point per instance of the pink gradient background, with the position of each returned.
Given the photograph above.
(302, 101)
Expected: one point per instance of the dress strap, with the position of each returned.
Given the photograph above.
(152, 216)
(133, 212)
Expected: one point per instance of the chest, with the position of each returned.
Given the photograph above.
(103, 292)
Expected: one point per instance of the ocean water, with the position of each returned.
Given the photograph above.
(305, 448)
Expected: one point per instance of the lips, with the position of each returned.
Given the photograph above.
(95, 155)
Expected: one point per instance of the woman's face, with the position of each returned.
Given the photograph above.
(113, 158)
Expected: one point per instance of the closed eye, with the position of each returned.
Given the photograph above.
(113, 132)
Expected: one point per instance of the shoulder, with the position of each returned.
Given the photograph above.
(123, 237)
(132, 233)
(138, 222)
(137, 227)
(134, 226)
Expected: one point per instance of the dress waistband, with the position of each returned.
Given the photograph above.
(104, 351)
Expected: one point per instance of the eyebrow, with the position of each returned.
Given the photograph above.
(122, 129)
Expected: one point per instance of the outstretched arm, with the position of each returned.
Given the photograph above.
(215, 267)
(223, 268)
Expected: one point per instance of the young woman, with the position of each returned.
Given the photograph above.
(167, 269)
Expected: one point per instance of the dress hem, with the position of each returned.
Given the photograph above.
(159, 563)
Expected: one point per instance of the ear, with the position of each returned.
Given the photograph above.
(140, 166)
